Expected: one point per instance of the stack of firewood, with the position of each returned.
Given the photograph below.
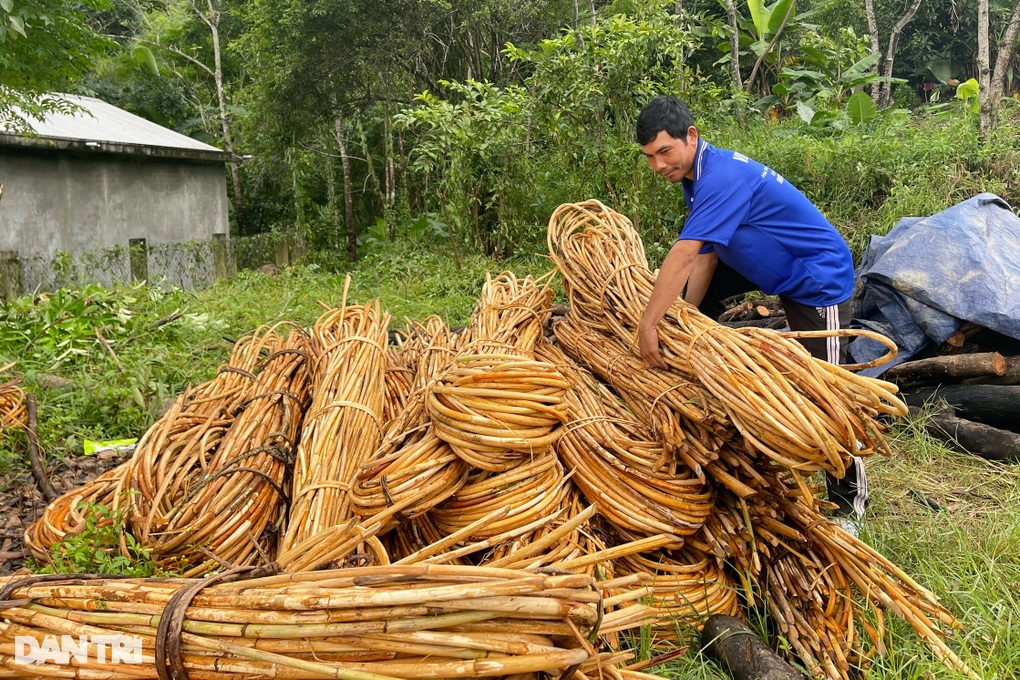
(758, 312)
(970, 385)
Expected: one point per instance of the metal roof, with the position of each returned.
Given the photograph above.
(108, 129)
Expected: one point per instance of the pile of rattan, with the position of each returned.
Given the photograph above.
(13, 413)
(524, 441)
(362, 624)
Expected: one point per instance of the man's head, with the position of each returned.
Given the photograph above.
(665, 130)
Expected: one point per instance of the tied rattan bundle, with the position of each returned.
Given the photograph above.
(224, 518)
(71, 513)
(495, 410)
(497, 405)
(412, 467)
(419, 621)
(398, 385)
(13, 413)
(803, 413)
(343, 426)
(175, 453)
(803, 568)
(687, 587)
(617, 461)
(531, 490)
(510, 316)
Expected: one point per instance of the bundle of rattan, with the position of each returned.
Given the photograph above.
(422, 621)
(531, 490)
(412, 462)
(496, 405)
(343, 426)
(496, 410)
(71, 514)
(175, 453)
(803, 567)
(618, 462)
(801, 412)
(668, 403)
(687, 587)
(13, 412)
(510, 316)
(224, 518)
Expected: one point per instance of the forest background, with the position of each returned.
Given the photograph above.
(359, 122)
(430, 140)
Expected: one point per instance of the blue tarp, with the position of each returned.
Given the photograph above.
(921, 281)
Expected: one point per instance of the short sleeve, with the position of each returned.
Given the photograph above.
(720, 206)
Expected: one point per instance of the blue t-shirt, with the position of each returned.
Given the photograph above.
(766, 229)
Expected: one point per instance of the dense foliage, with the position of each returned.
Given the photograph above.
(469, 122)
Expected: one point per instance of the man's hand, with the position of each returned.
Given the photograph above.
(648, 345)
(672, 278)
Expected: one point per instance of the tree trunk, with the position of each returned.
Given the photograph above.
(957, 366)
(1002, 59)
(984, 74)
(876, 48)
(212, 20)
(986, 441)
(995, 405)
(345, 161)
(885, 89)
(731, 17)
(580, 38)
(739, 650)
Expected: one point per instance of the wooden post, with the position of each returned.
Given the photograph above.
(283, 252)
(138, 257)
(219, 256)
(10, 275)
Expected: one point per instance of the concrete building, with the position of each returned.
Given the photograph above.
(105, 178)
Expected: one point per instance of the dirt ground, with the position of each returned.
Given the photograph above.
(21, 501)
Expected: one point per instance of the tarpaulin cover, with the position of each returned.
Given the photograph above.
(921, 281)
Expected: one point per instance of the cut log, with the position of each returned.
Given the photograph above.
(959, 337)
(997, 405)
(978, 439)
(763, 311)
(740, 651)
(1010, 377)
(949, 366)
(736, 312)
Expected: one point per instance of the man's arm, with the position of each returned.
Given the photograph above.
(675, 271)
(701, 276)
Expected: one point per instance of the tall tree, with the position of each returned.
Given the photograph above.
(984, 72)
(1003, 59)
(883, 93)
(165, 29)
(46, 46)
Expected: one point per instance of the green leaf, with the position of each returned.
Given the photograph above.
(8, 5)
(862, 67)
(967, 89)
(760, 17)
(144, 58)
(778, 13)
(17, 24)
(805, 112)
(861, 108)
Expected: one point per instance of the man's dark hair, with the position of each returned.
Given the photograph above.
(663, 113)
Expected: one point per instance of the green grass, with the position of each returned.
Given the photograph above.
(968, 553)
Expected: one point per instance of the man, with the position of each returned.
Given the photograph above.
(748, 229)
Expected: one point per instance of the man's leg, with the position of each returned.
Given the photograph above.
(726, 283)
(850, 493)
